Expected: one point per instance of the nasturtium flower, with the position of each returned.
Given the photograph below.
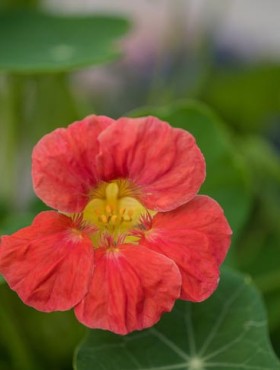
(130, 234)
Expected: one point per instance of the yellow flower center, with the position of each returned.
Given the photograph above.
(113, 211)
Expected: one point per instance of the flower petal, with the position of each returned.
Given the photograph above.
(129, 290)
(63, 164)
(196, 237)
(48, 263)
(163, 162)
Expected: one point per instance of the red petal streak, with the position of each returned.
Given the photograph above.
(130, 289)
(63, 164)
(196, 236)
(49, 263)
(164, 162)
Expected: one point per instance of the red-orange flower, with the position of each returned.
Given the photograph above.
(130, 236)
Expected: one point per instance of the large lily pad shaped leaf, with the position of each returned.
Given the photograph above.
(32, 41)
(226, 332)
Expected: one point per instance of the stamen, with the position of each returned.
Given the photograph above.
(104, 219)
(115, 210)
(114, 219)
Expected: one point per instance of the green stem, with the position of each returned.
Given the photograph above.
(10, 100)
(14, 341)
(14, 132)
(29, 99)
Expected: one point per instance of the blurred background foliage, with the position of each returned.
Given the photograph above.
(51, 75)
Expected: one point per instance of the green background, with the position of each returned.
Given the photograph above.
(232, 109)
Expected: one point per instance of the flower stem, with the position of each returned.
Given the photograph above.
(14, 341)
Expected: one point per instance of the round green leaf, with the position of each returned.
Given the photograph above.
(226, 179)
(227, 332)
(33, 42)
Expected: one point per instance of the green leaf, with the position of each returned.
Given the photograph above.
(2, 279)
(247, 97)
(36, 42)
(226, 332)
(226, 179)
